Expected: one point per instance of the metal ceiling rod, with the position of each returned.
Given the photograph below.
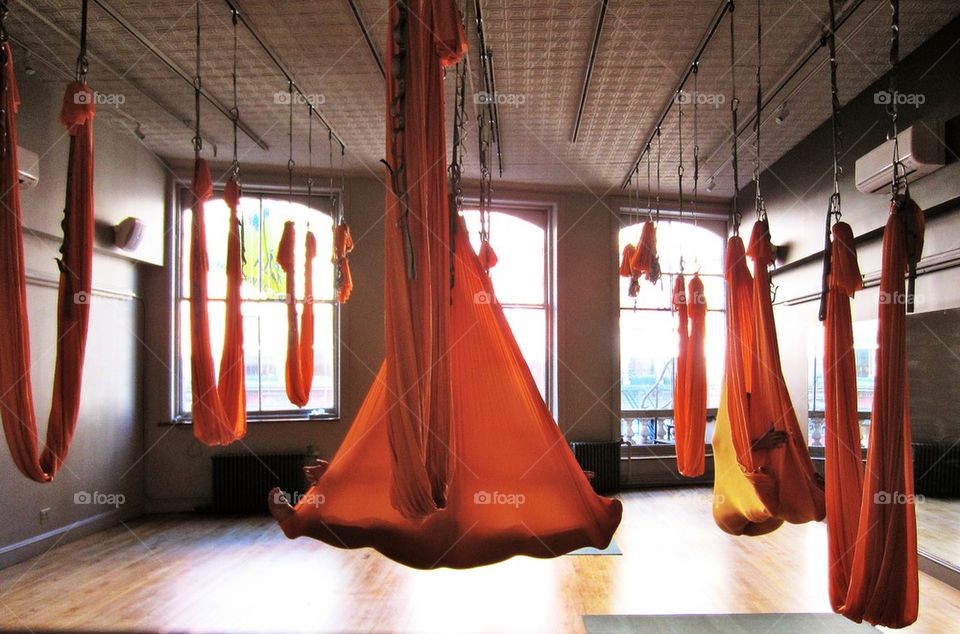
(588, 74)
(100, 62)
(288, 77)
(815, 46)
(489, 82)
(366, 36)
(183, 74)
(725, 5)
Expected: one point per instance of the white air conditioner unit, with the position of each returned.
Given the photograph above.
(29, 165)
(921, 152)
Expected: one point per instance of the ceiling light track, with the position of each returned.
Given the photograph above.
(180, 72)
(588, 74)
(725, 6)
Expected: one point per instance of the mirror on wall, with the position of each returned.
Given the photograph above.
(933, 358)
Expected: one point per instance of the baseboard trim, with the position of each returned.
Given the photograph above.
(939, 569)
(31, 546)
(158, 506)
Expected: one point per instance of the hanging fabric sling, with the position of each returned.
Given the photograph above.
(219, 408)
(871, 525)
(76, 266)
(299, 366)
(454, 459)
(690, 392)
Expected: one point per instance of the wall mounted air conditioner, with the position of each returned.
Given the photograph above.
(29, 166)
(921, 152)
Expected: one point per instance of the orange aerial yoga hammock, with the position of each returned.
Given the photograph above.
(219, 409)
(763, 472)
(454, 459)
(872, 529)
(690, 389)
(299, 369)
(76, 267)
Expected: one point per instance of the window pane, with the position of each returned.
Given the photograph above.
(520, 275)
(250, 350)
(529, 326)
(216, 215)
(275, 214)
(648, 346)
(273, 357)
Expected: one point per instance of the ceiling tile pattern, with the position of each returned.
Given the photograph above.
(540, 50)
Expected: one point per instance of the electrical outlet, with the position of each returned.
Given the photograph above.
(45, 515)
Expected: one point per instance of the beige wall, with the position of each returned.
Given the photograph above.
(105, 455)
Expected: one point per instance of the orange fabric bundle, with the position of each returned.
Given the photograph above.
(878, 581)
(626, 262)
(431, 488)
(219, 411)
(342, 246)
(488, 257)
(76, 276)
(299, 367)
(645, 260)
(680, 421)
(691, 421)
(764, 474)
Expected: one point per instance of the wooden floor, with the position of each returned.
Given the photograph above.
(174, 573)
(938, 528)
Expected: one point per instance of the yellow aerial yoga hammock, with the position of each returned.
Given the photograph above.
(763, 472)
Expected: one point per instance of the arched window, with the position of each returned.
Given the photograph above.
(648, 329)
(264, 308)
(521, 282)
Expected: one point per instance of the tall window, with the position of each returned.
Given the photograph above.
(648, 330)
(522, 283)
(264, 307)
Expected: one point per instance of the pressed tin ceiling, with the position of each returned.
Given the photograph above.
(540, 49)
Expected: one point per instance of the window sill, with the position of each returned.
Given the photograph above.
(187, 421)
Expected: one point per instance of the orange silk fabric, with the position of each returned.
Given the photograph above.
(873, 540)
(342, 246)
(299, 367)
(76, 274)
(453, 459)
(756, 490)
(690, 390)
(219, 410)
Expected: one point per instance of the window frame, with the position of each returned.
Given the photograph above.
(540, 215)
(253, 416)
(629, 216)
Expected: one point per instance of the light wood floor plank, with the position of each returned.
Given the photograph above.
(201, 574)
